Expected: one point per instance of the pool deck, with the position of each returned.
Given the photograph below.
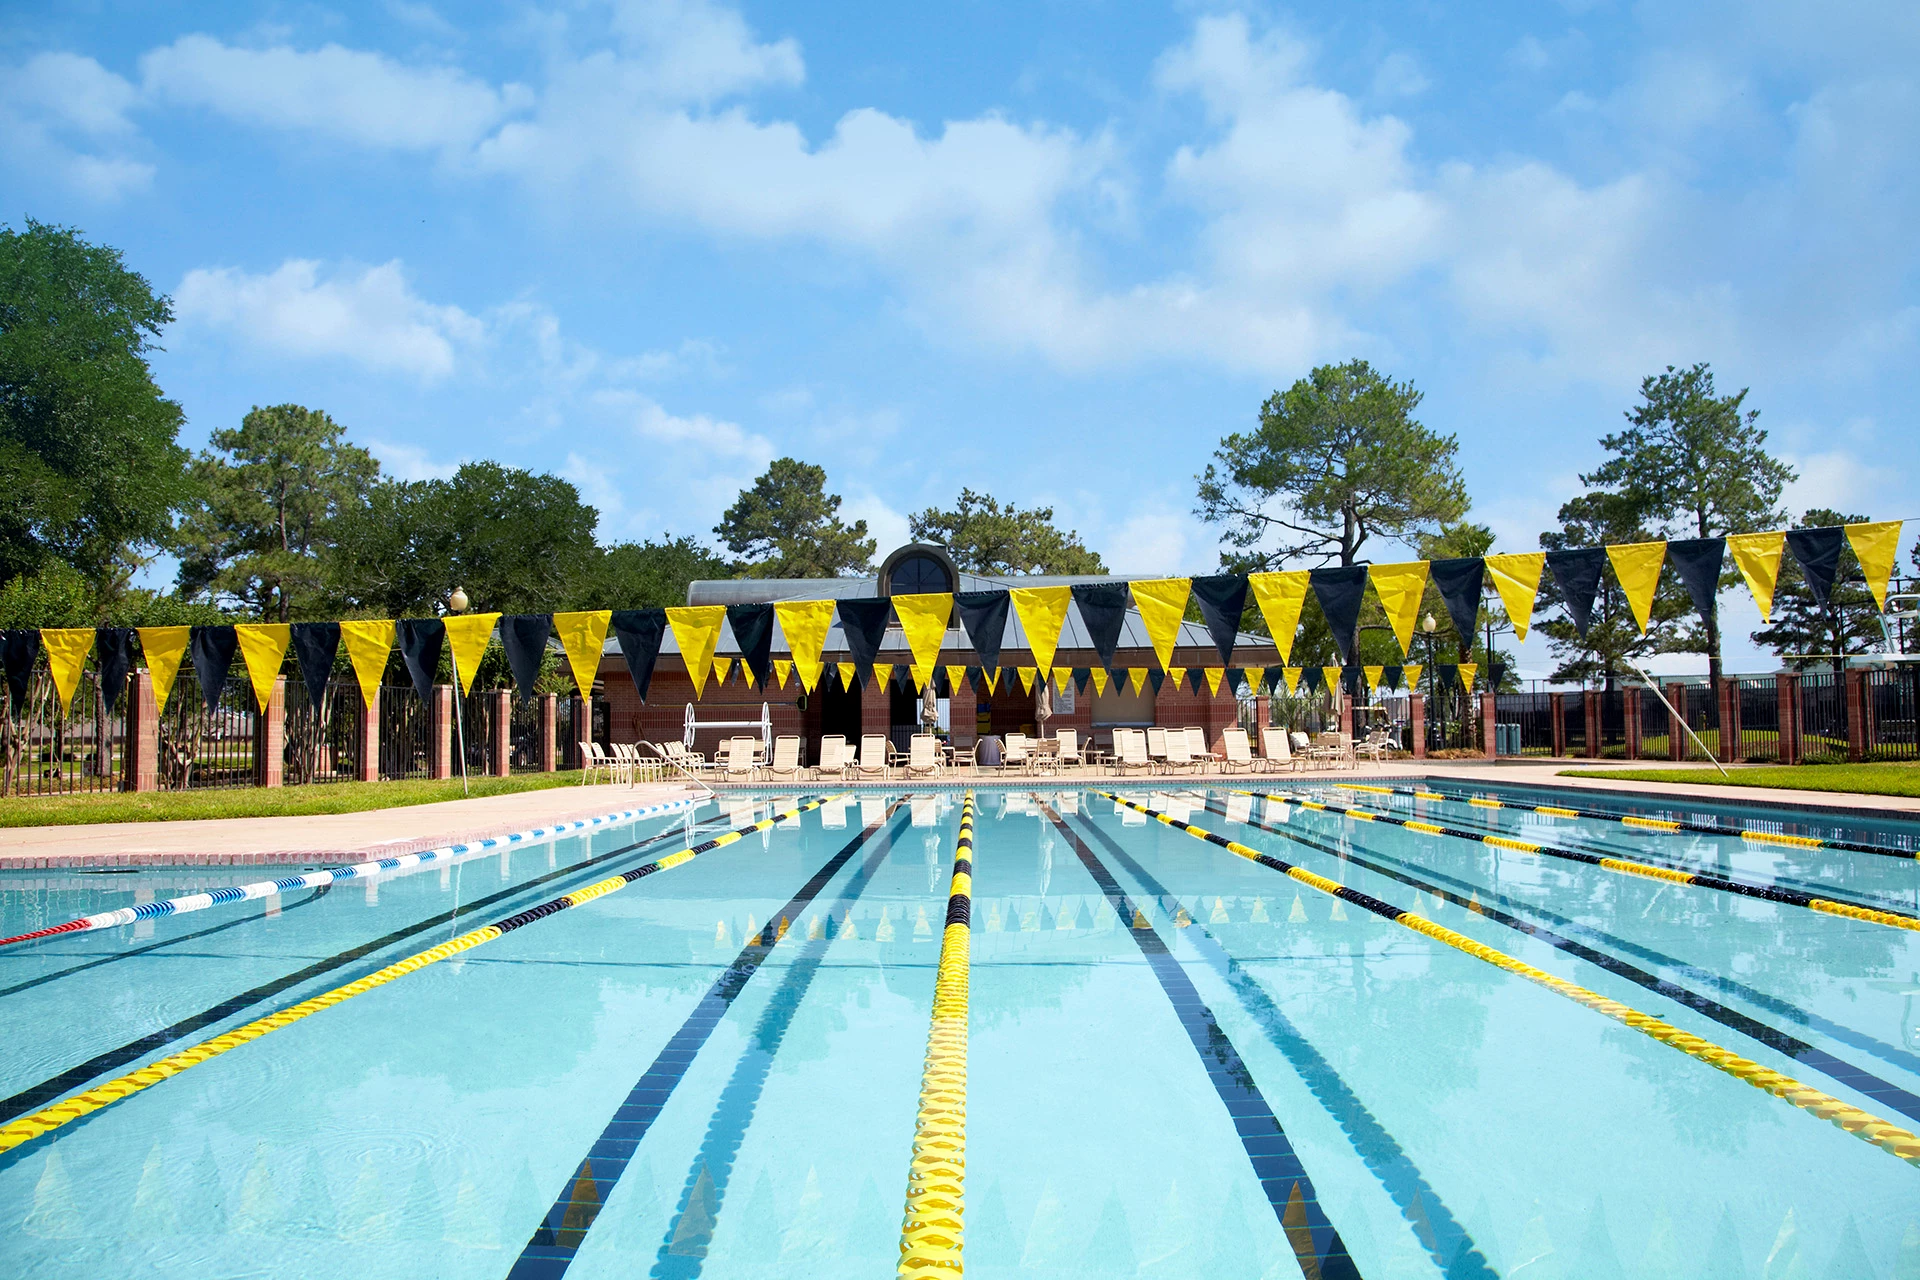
(333, 839)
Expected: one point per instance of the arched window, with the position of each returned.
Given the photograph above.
(916, 573)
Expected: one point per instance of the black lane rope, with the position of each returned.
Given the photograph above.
(313, 896)
(1439, 1232)
(683, 1251)
(1783, 1042)
(1316, 1243)
(36, 1096)
(557, 1240)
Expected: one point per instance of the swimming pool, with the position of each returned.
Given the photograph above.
(1182, 1061)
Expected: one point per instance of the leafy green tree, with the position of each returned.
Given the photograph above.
(1594, 519)
(1699, 467)
(516, 541)
(649, 575)
(90, 473)
(1337, 459)
(789, 526)
(1804, 632)
(269, 500)
(986, 536)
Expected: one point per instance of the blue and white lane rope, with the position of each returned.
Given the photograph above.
(314, 879)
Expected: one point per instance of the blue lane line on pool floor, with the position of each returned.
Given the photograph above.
(1860, 1079)
(1438, 1231)
(683, 1249)
(556, 1241)
(1316, 1243)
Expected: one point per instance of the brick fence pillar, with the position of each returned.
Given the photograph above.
(1417, 723)
(1856, 685)
(1630, 720)
(1557, 708)
(1728, 696)
(366, 738)
(1489, 721)
(142, 769)
(502, 731)
(548, 739)
(1786, 692)
(270, 738)
(440, 763)
(1677, 740)
(1590, 710)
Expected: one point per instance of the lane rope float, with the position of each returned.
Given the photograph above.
(1861, 1124)
(48, 1119)
(930, 1239)
(1622, 866)
(191, 902)
(1671, 825)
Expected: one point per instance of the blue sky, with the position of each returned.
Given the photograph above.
(1050, 251)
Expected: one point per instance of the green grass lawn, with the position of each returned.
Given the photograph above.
(1863, 779)
(261, 802)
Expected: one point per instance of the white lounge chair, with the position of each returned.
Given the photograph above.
(923, 756)
(737, 760)
(1276, 755)
(591, 761)
(1130, 751)
(1070, 753)
(833, 755)
(873, 756)
(1204, 756)
(1239, 753)
(1157, 747)
(1179, 754)
(1017, 754)
(786, 758)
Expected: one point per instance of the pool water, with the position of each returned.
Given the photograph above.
(1182, 1063)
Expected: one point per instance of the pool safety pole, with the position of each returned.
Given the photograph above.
(459, 722)
(1673, 715)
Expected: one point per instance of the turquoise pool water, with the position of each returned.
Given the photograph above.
(1183, 1063)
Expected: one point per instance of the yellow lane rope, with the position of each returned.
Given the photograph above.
(48, 1119)
(930, 1239)
(1861, 1124)
(1622, 866)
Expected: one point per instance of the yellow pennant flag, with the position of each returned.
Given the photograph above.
(163, 648)
(1517, 578)
(368, 642)
(1332, 676)
(582, 636)
(1468, 670)
(883, 674)
(1042, 612)
(956, 676)
(924, 618)
(1138, 675)
(1292, 676)
(1026, 678)
(804, 623)
(1099, 681)
(1280, 596)
(467, 636)
(849, 675)
(722, 668)
(1758, 557)
(782, 669)
(1410, 674)
(746, 673)
(696, 629)
(1214, 676)
(1162, 603)
(67, 649)
(1876, 546)
(1637, 565)
(1176, 675)
(1373, 678)
(1062, 679)
(263, 647)
(993, 679)
(1400, 587)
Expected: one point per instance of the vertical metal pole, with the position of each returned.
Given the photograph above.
(459, 722)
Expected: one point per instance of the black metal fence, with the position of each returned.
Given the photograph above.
(1823, 718)
(1758, 699)
(1889, 706)
(524, 735)
(1533, 713)
(406, 730)
(323, 742)
(204, 748)
(566, 736)
(475, 736)
(47, 753)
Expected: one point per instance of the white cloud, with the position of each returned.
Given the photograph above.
(67, 117)
(885, 525)
(370, 317)
(693, 51)
(345, 94)
(1399, 76)
(410, 462)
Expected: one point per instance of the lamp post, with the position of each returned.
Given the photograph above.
(457, 603)
(1427, 627)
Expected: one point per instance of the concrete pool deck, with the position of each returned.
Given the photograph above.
(332, 839)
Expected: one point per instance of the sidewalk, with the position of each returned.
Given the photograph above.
(321, 839)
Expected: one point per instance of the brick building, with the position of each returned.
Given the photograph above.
(895, 710)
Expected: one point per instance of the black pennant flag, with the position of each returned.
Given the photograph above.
(1496, 672)
(1236, 678)
(1698, 561)
(1312, 679)
(1458, 582)
(1339, 591)
(1195, 678)
(212, 649)
(314, 647)
(524, 637)
(977, 677)
(1103, 607)
(113, 652)
(1082, 676)
(19, 648)
(1157, 677)
(865, 624)
(639, 632)
(1390, 677)
(1578, 575)
(1354, 681)
(1222, 598)
(753, 631)
(1276, 679)
(1449, 675)
(1818, 551)
(984, 615)
(420, 640)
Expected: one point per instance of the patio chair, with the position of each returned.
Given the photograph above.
(626, 762)
(1239, 754)
(873, 756)
(833, 755)
(677, 753)
(786, 758)
(737, 759)
(1070, 753)
(1018, 754)
(1275, 751)
(1157, 747)
(1130, 748)
(923, 756)
(591, 761)
(967, 757)
(1205, 757)
(1375, 746)
(1179, 754)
